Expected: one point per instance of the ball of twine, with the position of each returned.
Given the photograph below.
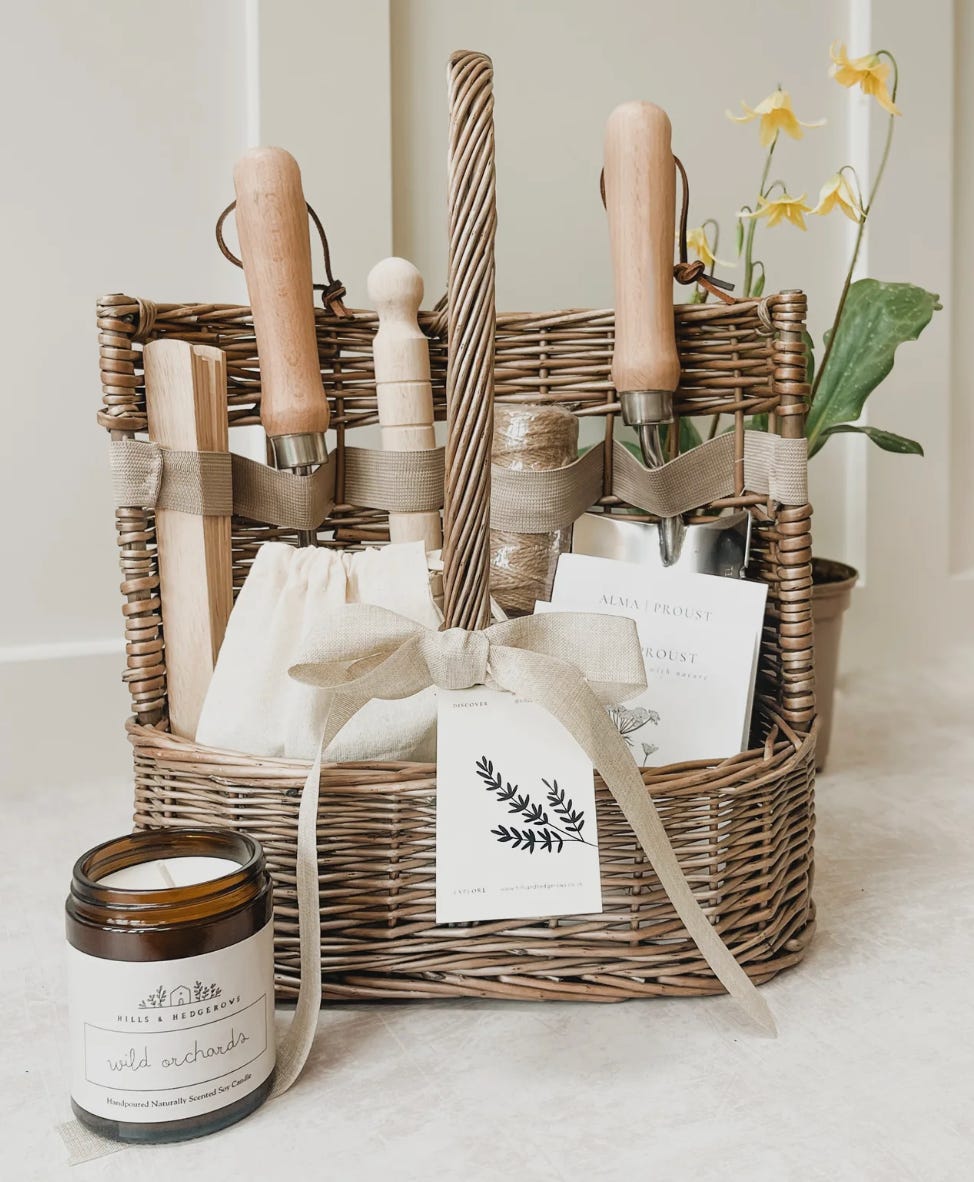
(536, 438)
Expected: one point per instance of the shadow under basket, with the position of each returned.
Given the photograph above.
(742, 828)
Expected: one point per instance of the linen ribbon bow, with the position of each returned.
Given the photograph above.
(366, 652)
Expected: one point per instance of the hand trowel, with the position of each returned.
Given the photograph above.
(640, 199)
(272, 224)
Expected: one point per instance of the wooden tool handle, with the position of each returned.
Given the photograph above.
(186, 404)
(272, 225)
(402, 382)
(640, 198)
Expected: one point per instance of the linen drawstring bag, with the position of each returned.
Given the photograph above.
(254, 707)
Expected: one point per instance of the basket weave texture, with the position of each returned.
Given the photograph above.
(742, 829)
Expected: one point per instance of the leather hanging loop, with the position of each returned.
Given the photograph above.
(696, 272)
(685, 271)
(332, 292)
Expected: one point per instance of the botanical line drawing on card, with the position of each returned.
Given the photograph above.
(630, 720)
(538, 831)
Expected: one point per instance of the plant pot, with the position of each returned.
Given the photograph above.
(832, 584)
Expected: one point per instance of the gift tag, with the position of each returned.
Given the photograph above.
(516, 833)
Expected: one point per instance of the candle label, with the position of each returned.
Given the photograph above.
(168, 1039)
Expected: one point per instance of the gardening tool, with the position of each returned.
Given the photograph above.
(402, 383)
(640, 197)
(186, 405)
(253, 705)
(272, 224)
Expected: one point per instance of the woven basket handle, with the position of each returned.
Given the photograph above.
(471, 319)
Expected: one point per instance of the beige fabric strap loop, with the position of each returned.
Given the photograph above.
(693, 479)
(773, 466)
(398, 481)
(197, 482)
(204, 483)
(265, 494)
(136, 473)
(365, 652)
(776, 466)
(539, 502)
(146, 475)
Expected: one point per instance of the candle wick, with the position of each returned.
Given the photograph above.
(164, 871)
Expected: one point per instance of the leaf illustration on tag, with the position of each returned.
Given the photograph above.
(574, 819)
(550, 841)
(549, 837)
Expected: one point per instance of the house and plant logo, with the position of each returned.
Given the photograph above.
(179, 995)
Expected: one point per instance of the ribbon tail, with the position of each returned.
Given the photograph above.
(638, 808)
(84, 1144)
(295, 1046)
(578, 709)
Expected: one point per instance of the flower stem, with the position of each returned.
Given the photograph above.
(857, 246)
(752, 223)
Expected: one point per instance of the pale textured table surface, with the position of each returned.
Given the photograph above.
(871, 1077)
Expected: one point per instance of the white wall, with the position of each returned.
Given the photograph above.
(123, 124)
(119, 134)
(961, 296)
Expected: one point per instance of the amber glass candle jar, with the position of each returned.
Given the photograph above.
(171, 983)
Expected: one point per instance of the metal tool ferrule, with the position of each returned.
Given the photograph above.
(298, 451)
(642, 407)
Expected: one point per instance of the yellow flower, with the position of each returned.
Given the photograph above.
(776, 114)
(789, 209)
(698, 243)
(837, 193)
(869, 72)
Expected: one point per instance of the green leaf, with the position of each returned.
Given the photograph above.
(758, 286)
(689, 435)
(740, 236)
(877, 318)
(756, 423)
(887, 440)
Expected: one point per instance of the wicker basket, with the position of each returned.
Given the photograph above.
(742, 828)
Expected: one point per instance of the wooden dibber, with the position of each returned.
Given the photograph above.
(186, 404)
(272, 225)
(402, 382)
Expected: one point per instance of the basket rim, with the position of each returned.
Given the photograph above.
(782, 755)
